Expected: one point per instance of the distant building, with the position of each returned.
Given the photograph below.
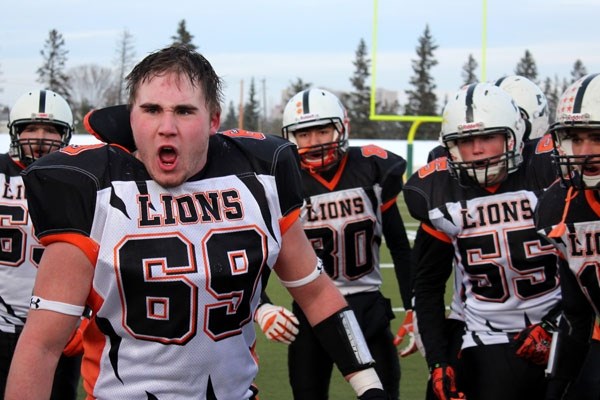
(383, 96)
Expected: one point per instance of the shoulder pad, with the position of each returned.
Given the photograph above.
(439, 164)
(111, 125)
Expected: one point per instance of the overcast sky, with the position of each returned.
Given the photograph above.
(278, 41)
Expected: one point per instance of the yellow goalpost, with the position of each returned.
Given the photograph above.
(416, 120)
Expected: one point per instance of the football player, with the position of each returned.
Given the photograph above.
(40, 122)
(532, 103)
(169, 244)
(533, 106)
(350, 204)
(476, 209)
(576, 233)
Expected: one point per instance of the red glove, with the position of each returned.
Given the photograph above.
(74, 346)
(444, 383)
(534, 342)
(406, 328)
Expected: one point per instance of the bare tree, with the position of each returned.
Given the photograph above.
(92, 86)
(124, 62)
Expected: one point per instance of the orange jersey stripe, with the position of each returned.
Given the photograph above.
(388, 204)
(435, 233)
(85, 243)
(288, 220)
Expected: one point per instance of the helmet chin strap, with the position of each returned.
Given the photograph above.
(591, 181)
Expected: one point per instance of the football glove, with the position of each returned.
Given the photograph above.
(277, 323)
(533, 343)
(406, 328)
(373, 394)
(443, 382)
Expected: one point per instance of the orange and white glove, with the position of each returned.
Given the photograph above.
(277, 323)
(406, 328)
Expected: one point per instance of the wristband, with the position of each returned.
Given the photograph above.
(37, 303)
(365, 380)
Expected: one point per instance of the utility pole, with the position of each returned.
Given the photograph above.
(263, 123)
(241, 113)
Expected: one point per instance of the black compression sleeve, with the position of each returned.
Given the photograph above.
(433, 267)
(341, 337)
(399, 246)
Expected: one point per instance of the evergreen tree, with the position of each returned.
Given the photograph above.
(552, 96)
(578, 70)
(422, 100)
(468, 71)
(52, 73)
(358, 102)
(295, 87)
(124, 61)
(527, 67)
(231, 119)
(252, 110)
(183, 37)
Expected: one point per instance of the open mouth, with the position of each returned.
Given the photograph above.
(591, 170)
(167, 155)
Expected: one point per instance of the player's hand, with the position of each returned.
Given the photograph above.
(277, 323)
(444, 383)
(533, 343)
(74, 346)
(406, 328)
(373, 394)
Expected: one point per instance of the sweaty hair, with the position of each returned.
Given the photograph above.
(184, 62)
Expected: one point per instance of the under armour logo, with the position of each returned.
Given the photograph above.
(319, 266)
(35, 303)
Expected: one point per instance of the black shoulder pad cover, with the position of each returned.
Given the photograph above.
(111, 125)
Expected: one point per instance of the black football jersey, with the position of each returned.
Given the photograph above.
(508, 272)
(178, 271)
(580, 242)
(342, 214)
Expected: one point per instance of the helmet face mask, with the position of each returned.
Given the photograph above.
(487, 171)
(310, 110)
(483, 112)
(578, 119)
(38, 107)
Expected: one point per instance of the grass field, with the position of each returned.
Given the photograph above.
(272, 379)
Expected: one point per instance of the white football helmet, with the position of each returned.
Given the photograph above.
(39, 106)
(312, 108)
(578, 109)
(476, 110)
(532, 102)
